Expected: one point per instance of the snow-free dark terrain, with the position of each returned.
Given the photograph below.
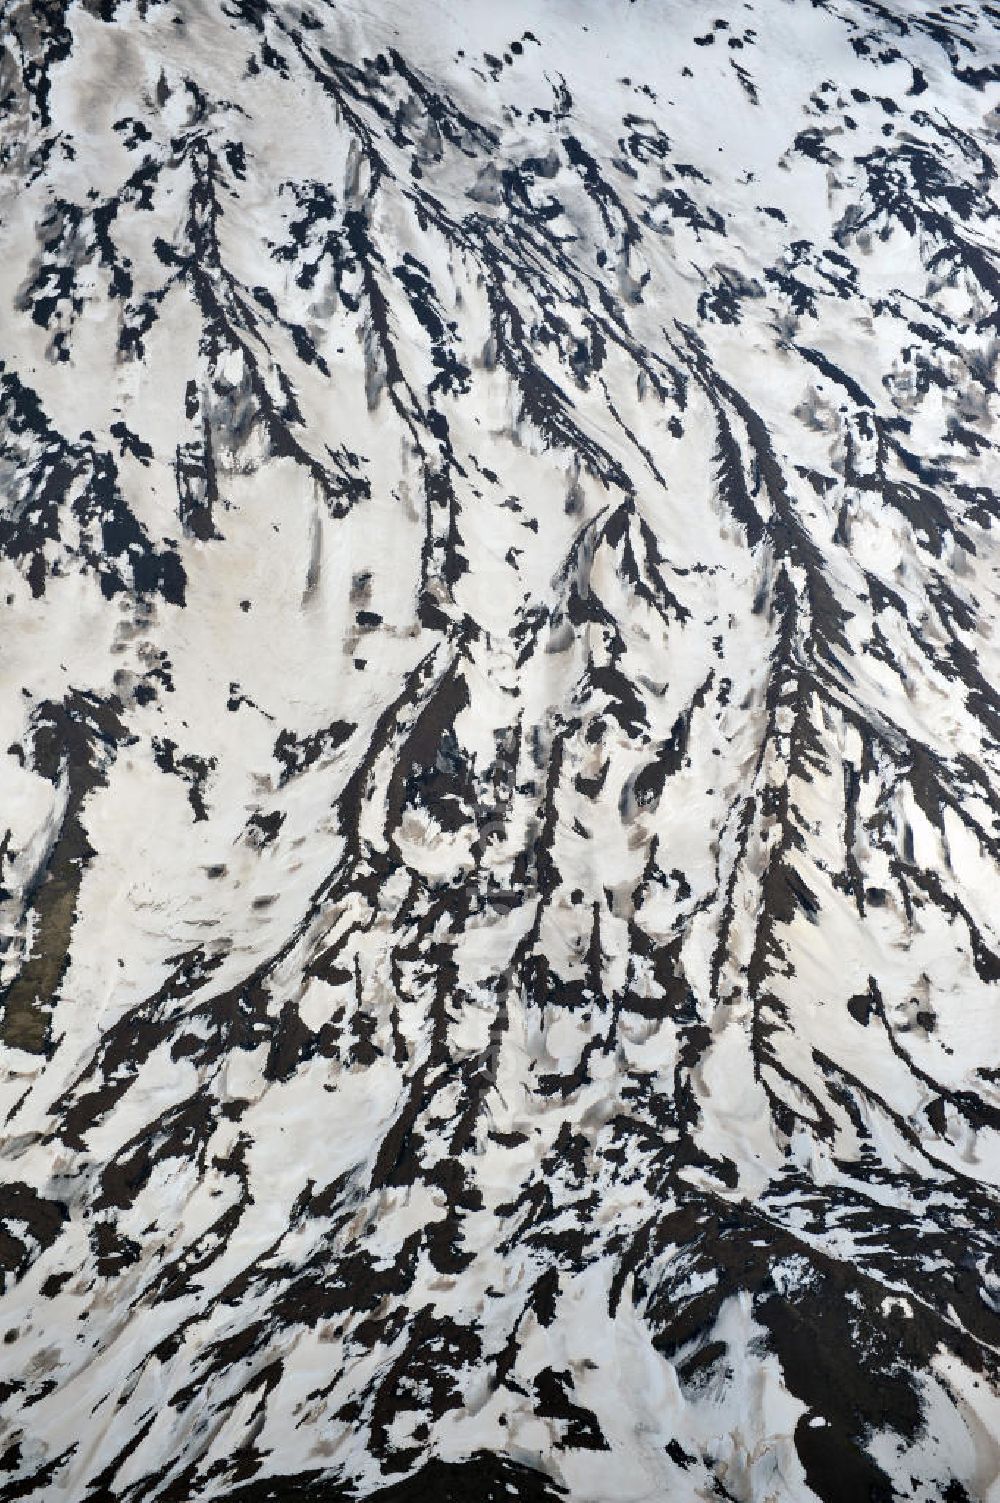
(499, 751)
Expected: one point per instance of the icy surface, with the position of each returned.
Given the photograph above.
(500, 748)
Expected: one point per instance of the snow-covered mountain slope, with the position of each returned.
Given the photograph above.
(500, 750)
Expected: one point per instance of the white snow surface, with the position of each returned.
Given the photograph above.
(500, 750)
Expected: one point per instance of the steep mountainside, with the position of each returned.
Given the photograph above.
(499, 750)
